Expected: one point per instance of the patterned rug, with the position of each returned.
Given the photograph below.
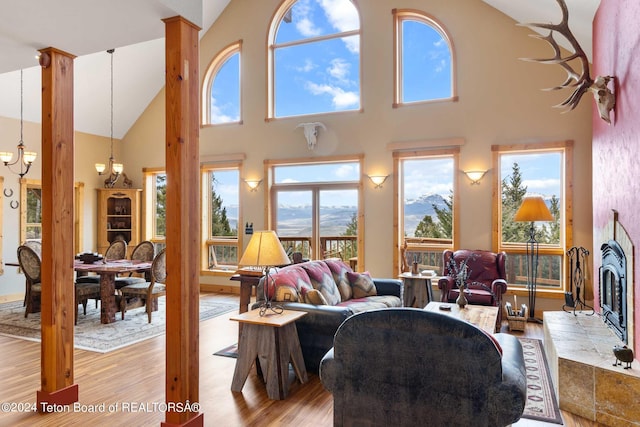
(230, 351)
(541, 403)
(91, 335)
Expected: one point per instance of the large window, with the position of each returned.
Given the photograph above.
(424, 63)
(426, 205)
(221, 93)
(314, 58)
(220, 216)
(315, 208)
(540, 170)
(31, 211)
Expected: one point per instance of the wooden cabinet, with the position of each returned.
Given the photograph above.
(118, 217)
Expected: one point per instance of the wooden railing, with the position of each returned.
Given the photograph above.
(345, 247)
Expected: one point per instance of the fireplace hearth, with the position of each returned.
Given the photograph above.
(613, 289)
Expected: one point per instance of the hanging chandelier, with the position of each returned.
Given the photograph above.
(25, 158)
(113, 169)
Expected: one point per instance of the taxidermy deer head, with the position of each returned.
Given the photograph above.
(311, 132)
(582, 82)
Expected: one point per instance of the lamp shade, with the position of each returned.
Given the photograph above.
(264, 250)
(533, 208)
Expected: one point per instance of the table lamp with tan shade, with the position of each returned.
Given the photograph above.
(533, 209)
(263, 252)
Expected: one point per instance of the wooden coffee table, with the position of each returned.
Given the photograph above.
(483, 316)
(273, 341)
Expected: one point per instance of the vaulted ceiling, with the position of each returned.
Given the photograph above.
(87, 28)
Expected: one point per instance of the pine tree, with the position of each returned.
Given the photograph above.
(352, 226)
(443, 228)
(513, 192)
(219, 222)
(161, 204)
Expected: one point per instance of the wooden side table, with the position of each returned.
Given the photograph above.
(483, 316)
(273, 339)
(247, 283)
(417, 290)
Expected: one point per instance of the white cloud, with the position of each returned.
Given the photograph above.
(339, 69)
(341, 14)
(543, 186)
(218, 116)
(308, 66)
(340, 97)
(304, 20)
(345, 171)
(441, 66)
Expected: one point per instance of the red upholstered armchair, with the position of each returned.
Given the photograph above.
(486, 281)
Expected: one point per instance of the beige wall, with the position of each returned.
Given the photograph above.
(89, 149)
(500, 102)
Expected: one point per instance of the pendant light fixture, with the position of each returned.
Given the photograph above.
(113, 169)
(25, 158)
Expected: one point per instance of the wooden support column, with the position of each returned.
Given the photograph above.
(58, 305)
(183, 222)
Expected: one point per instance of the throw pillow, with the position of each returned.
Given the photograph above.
(362, 285)
(314, 297)
(339, 270)
(288, 283)
(322, 280)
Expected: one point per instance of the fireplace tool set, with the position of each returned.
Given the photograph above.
(578, 259)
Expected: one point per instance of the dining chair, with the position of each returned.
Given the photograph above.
(147, 291)
(36, 245)
(143, 252)
(84, 292)
(30, 265)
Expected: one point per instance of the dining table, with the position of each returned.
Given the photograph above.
(108, 271)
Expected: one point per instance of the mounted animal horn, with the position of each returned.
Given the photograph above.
(311, 132)
(582, 82)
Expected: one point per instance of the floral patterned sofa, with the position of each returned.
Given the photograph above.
(330, 292)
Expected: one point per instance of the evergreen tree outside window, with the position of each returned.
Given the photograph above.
(314, 58)
(544, 171)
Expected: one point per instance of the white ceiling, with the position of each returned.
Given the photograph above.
(87, 28)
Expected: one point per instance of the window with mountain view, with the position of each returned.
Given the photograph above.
(220, 215)
(314, 58)
(315, 208)
(221, 88)
(426, 204)
(423, 59)
(543, 171)
(155, 190)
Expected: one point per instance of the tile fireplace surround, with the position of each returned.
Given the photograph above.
(579, 350)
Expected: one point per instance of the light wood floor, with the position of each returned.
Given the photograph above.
(135, 376)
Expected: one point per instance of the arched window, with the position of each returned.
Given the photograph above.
(424, 68)
(221, 88)
(314, 58)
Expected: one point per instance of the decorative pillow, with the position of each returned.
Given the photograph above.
(322, 280)
(339, 270)
(314, 297)
(362, 285)
(287, 284)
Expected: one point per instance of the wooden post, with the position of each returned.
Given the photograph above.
(58, 302)
(183, 223)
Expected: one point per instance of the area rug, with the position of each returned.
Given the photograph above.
(541, 403)
(91, 335)
(230, 351)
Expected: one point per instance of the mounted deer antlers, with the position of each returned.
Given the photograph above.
(605, 99)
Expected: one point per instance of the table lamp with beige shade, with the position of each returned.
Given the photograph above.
(533, 209)
(263, 252)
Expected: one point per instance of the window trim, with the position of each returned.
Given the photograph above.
(399, 16)
(78, 210)
(398, 233)
(566, 241)
(277, 17)
(209, 76)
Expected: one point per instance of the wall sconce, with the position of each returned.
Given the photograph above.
(378, 180)
(253, 184)
(475, 176)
